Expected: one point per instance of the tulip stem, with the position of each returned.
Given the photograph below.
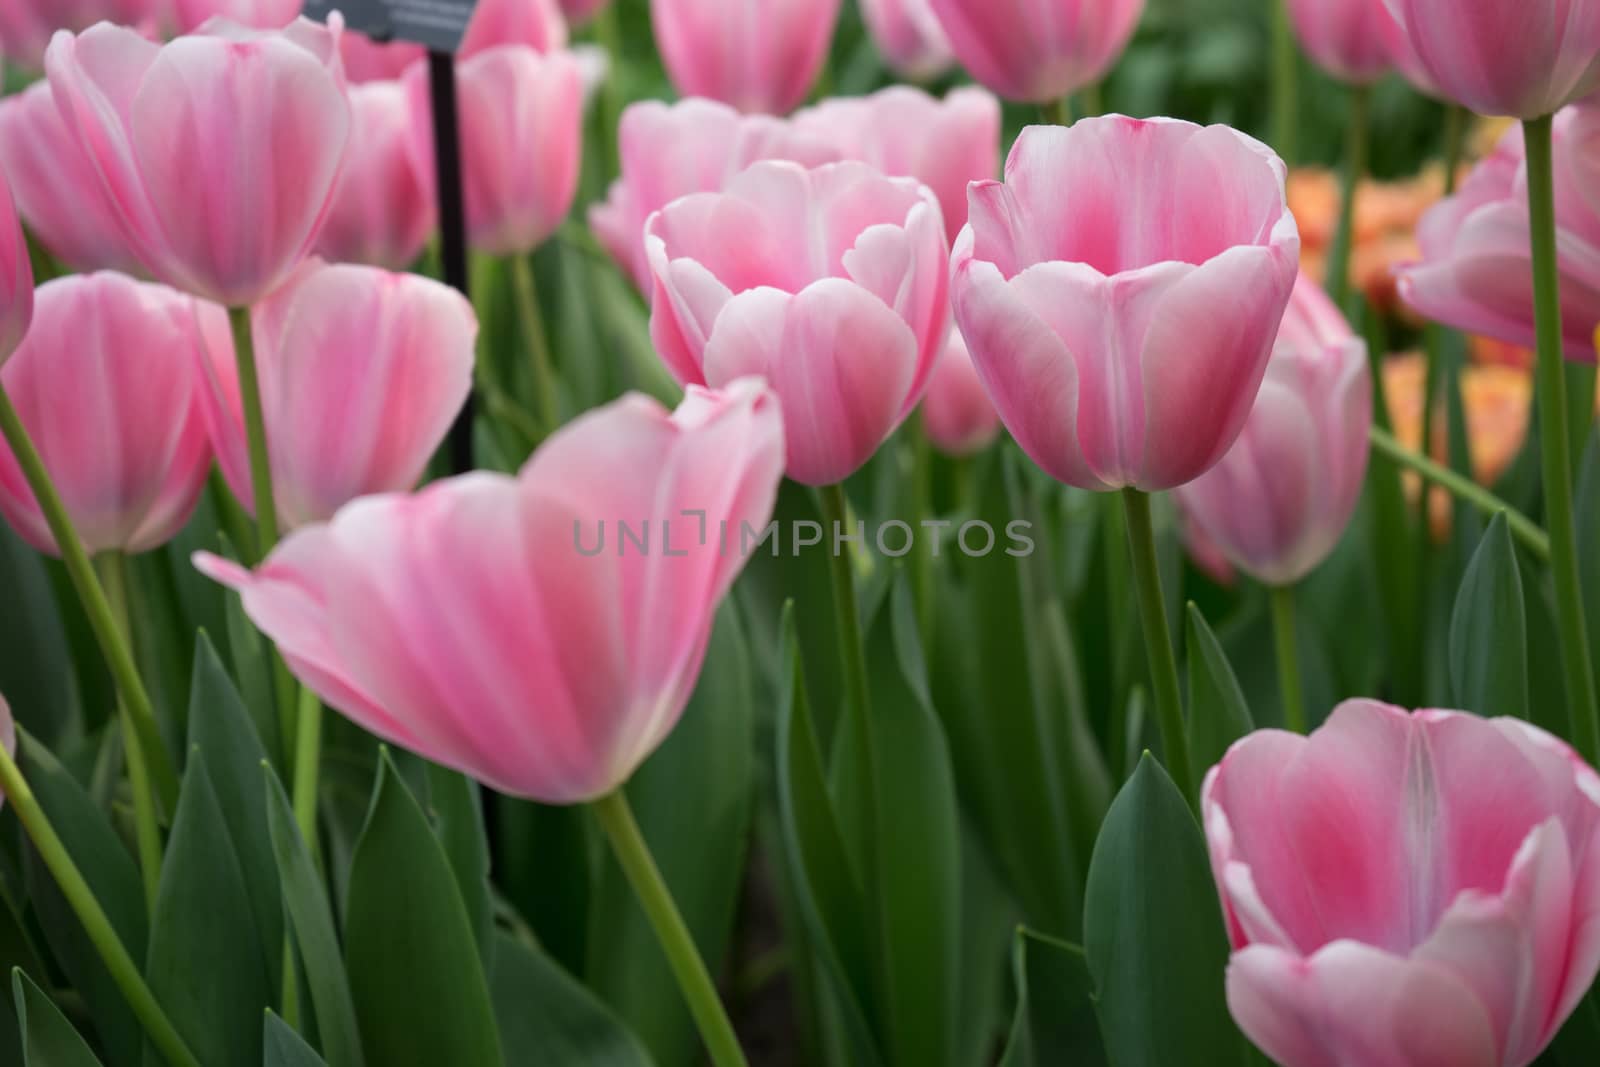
(922, 566)
(255, 432)
(1056, 112)
(531, 319)
(1157, 638)
(307, 762)
(1285, 87)
(1522, 527)
(1355, 168)
(1554, 443)
(694, 981)
(852, 656)
(1283, 637)
(89, 912)
(119, 658)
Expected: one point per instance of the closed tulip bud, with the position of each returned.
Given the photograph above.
(1281, 498)
(262, 14)
(694, 146)
(16, 277)
(362, 373)
(1038, 50)
(106, 383)
(477, 624)
(1120, 294)
(220, 151)
(521, 143)
(944, 144)
(957, 414)
(1355, 40)
(535, 24)
(1406, 889)
(758, 55)
(383, 211)
(909, 36)
(831, 283)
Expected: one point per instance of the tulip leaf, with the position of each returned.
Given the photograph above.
(1489, 630)
(1587, 517)
(252, 666)
(36, 668)
(547, 1016)
(1218, 713)
(458, 824)
(420, 991)
(1153, 932)
(1055, 1021)
(48, 1039)
(282, 1047)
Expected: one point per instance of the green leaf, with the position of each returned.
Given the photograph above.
(203, 926)
(311, 919)
(48, 1039)
(1489, 630)
(252, 665)
(1055, 1021)
(419, 986)
(1153, 932)
(547, 1016)
(1587, 519)
(458, 814)
(285, 1048)
(1218, 714)
(698, 838)
(36, 670)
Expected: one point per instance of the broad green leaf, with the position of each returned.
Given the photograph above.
(36, 667)
(542, 865)
(49, 1040)
(547, 1016)
(419, 986)
(1218, 714)
(1153, 932)
(282, 1047)
(1055, 1021)
(458, 815)
(1547, 687)
(1489, 630)
(1587, 518)
(251, 664)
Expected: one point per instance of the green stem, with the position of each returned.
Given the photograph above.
(95, 923)
(232, 519)
(1553, 446)
(112, 568)
(852, 656)
(1285, 87)
(1091, 100)
(119, 658)
(255, 432)
(1522, 527)
(922, 565)
(532, 321)
(1283, 637)
(1056, 112)
(1455, 139)
(307, 760)
(1158, 638)
(608, 32)
(694, 981)
(1355, 168)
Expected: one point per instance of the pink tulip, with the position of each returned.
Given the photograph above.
(830, 283)
(362, 373)
(1121, 292)
(366, 60)
(1354, 40)
(106, 385)
(1406, 890)
(1281, 498)
(383, 211)
(945, 144)
(1505, 57)
(535, 24)
(16, 277)
(477, 624)
(26, 26)
(1476, 271)
(580, 11)
(957, 414)
(909, 36)
(8, 733)
(220, 151)
(693, 146)
(57, 188)
(521, 130)
(758, 55)
(1038, 50)
(262, 14)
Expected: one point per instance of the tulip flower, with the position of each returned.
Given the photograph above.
(366, 60)
(909, 36)
(106, 384)
(1038, 51)
(262, 14)
(1466, 51)
(945, 144)
(58, 192)
(521, 128)
(535, 24)
(16, 277)
(1121, 292)
(362, 373)
(829, 282)
(957, 414)
(195, 139)
(693, 146)
(758, 55)
(1278, 502)
(1406, 889)
(383, 211)
(581, 11)
(26, 26)
(1356, 41)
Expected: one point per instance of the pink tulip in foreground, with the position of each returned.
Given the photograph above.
(1355, 40)
(830, 283)
(366, 60)
(693, 146)
(362, 373)
(945, 144)
(957, 414)
(262, 14)
(908, 34)
(1038, 50)
(1476, 270)
(383, 211)
(1406, 890)
(535, 24)
(1281, 498)
(1506, 57)
(106, 384)
(521, 129)
(1121, 292)
(758, 55)
(16, 277)
(475, 624)
(220, 151)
